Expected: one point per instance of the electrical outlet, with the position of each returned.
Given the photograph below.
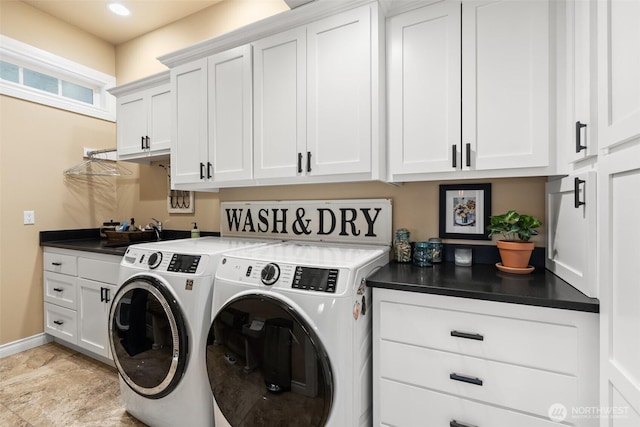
(29, 217)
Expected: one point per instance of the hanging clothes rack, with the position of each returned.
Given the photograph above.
(96, 166)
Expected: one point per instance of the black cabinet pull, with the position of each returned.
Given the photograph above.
(57, 264)
(308, 161)
(148, 142)
(142, 142)
(201, 170)
(209, 168)
(101, 294)
(467, 335)
(469, 155)
(576, 192)
(454, 423)
(579, 146)
(299, 162)
(454, 156)
(58, 322)
(57, 289)
(107, 298)
(470, 380)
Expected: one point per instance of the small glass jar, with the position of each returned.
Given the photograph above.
(422, 254)
(436, 247)
(402, 246)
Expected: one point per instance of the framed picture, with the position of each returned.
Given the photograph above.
(464, 211)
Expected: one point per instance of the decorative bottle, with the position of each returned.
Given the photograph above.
(402, 246)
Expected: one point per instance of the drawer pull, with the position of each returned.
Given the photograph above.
(467, 335)
(470, 380)
(57, 289)
(57, 264)
(454, 423)
(58, 322)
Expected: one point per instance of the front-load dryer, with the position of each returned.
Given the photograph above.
(158, 324)
(290, 336)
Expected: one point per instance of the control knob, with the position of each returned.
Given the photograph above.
(154, 260)
(270, 274)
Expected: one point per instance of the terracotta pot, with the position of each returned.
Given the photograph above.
(515, 254)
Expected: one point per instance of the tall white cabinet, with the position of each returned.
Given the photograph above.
(618, 184)
(479, 66)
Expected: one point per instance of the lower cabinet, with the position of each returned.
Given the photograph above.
(78, 288)
(441, 360)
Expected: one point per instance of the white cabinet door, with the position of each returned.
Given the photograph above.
(618, 184)
(618, 71)
(280, 106)
(93, 315)
(505, 84)
(230, 115)
(189, 142)
(339, 113)
(132, 124)
(159, 119)
(571, 224)
(424, 89)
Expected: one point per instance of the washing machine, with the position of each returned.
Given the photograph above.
(158, 325)
(290, 336)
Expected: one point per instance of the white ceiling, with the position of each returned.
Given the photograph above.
(94, 17)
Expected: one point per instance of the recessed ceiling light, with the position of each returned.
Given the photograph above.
(119, 9)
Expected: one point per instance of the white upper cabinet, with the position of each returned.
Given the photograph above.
(230, 116)
(280, 120)
(316, 101)
(144, 119)
(572, 234)
(618, 71)
(488, 77)
(424, 89)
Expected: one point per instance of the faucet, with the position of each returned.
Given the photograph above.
(158, 224)
(157, 227)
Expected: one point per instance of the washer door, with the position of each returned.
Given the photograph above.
(266, 365)
(148, 337)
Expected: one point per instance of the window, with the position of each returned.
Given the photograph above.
(38, 76)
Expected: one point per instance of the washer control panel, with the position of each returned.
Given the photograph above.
(315, 279)
(184, 263)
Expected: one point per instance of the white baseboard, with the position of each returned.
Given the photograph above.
(24, 344)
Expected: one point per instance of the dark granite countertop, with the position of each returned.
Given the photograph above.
(89, 240)
(484, 281)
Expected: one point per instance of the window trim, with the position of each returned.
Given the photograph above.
(24, 55)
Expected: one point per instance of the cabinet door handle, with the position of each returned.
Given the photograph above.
(299, 162)
(579, 146)
(469, 155)
(308, 161)
(101, 294)
(209, 168)
(201, 170)
(57, 264)
(107, 298)
(454, 156)
(57, 289)
(142, 142)
(148, 142)
(467, 335)
(464, 379)
(454, 423)
(576, 192)
(58, 322)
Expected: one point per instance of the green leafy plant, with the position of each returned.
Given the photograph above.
(513, 225)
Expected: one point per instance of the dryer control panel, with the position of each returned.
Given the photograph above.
(315, 279)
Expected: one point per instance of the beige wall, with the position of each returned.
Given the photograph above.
(37, 143)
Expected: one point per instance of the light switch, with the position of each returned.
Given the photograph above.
(29, 217)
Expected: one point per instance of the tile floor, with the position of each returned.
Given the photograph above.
(52, 385)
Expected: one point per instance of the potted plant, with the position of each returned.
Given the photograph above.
(516, 229)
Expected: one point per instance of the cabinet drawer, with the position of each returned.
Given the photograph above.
(106, 271)
(502, 384)
(65, 264)
(60, 289)
(402, 405)
(61, 322)
(523, 342)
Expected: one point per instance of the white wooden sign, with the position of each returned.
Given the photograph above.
(362, 221)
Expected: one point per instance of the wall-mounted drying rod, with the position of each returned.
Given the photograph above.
(97, 166)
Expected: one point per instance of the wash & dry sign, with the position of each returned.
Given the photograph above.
(363, 221)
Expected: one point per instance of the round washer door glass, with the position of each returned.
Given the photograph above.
(266, 365)
(148, 337)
